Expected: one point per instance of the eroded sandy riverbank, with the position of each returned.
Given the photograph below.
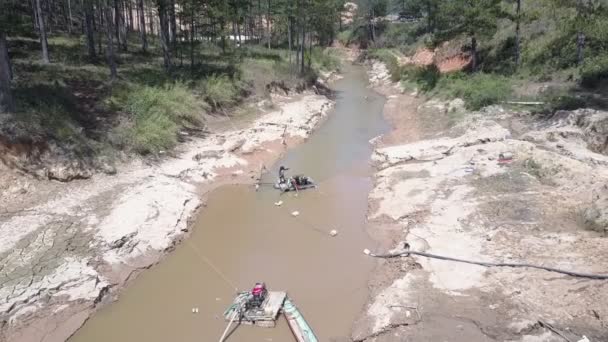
(64, 255)
(442, 189)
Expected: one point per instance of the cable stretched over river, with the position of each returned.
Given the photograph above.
(492, 264)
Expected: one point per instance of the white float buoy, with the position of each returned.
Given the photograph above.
(333, 233)
(295, 213)
(367, 251)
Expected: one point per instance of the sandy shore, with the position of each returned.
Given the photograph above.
(442, 187)
(79, 243)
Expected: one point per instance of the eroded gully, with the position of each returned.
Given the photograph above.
(241, 237)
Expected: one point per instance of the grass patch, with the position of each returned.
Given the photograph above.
(594, 71)
(71, 103)
(156, 114)
(220, 91)
(478, 90)
(427, 77)
(392, 63)
(324, 59)
(259, 73)
(345, 37)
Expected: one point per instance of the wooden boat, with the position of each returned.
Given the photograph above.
(296, 183)
(261, 307)
(298, 325)
(265, 316)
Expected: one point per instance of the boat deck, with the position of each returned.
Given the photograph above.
(266, 316)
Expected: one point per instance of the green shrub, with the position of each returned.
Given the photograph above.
(345, 37)
(561, 99)
(259, 73)
(398, 34)
(427, 77)
(221, 91)
(478, 90)
(594, 71)
(391, 61)
(324, 59)
(156, 115)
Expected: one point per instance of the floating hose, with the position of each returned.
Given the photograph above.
(492, 264)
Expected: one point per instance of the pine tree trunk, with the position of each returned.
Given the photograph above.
(289, 36)
(49, 11)
(110, 42)
(7, 103)
(100, 11)
(35, 16)
(580, 48)
(474, 61)
(268, 25)
(164, 33)
(42, 33)
(309, 49)
(303, 45)
(373, 25)
(173, 22)
(192, 36)
(580, 36)
(88, 18)
(223, 36)
(261, 27)
(116, 22)
(238, 31)
(142, 25)
(297, 46)
(121, 30)
(518, 35)
(152, 23)
(130, 10)
(70, 17)
(429, 18)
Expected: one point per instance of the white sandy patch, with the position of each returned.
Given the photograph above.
(444, 234)
(151, 212)
(401, 291)
(77, 279)
(435, 149)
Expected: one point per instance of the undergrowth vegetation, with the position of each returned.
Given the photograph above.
(551, 52)
(146, 110)
(156, 114)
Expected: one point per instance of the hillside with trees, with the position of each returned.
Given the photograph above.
(94, 79)
(510, 47)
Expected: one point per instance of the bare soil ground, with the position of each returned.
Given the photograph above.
(446, 191)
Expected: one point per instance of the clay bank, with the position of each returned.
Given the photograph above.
(497, 185)
(61, 256)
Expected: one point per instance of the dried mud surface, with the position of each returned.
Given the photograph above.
(67, 248)
(442, 188)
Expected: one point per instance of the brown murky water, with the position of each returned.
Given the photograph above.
(247, 239)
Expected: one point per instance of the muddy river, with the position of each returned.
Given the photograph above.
(241, 237)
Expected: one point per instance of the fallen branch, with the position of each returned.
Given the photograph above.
(554, 330)
(491, 264)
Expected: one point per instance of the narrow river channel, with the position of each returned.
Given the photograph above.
(249, 239)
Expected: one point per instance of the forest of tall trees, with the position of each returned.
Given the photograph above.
(107, 27)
